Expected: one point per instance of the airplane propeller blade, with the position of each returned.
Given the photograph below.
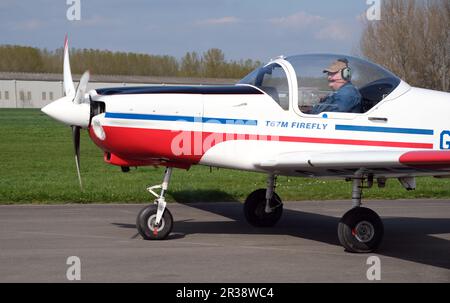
(76, 144)
(81, 90)
(69, 88)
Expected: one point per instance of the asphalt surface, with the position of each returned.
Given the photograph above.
(211, 242)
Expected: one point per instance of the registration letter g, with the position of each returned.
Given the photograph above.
(445, 140)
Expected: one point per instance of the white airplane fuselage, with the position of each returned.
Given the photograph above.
(241, 126)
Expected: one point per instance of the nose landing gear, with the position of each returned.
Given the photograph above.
(155, 222)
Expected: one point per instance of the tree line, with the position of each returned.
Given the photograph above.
(210, 64)
(412, 39)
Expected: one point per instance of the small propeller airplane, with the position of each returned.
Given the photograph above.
(261, 124)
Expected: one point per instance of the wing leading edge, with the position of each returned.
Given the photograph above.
(343, 163)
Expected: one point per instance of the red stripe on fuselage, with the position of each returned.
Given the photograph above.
(190, 146)
(357, 142)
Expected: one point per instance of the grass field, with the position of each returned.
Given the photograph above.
(37, 166)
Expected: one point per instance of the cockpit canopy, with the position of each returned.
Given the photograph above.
(373, 81)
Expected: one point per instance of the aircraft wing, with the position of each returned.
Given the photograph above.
(395, 160)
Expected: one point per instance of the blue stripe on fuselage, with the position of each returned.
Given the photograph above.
(181, 118)
(378, 129)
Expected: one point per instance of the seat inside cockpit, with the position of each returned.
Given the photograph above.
(375, 91)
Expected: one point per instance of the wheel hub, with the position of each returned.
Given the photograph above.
(364, 231)
(151, 223)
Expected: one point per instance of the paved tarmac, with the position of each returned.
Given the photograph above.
(211, 242)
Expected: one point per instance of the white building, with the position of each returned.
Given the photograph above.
(23, 90)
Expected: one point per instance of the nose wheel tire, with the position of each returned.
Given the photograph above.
(360, 230)
(147, 227)
(254, 209)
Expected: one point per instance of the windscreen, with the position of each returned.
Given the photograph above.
(373, 82)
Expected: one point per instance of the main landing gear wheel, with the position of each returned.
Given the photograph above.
(360, 230)
(255, 212)
(146, 226)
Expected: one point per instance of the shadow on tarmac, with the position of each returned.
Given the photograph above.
(410, 239)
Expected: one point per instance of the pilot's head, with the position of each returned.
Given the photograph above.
(339, 73)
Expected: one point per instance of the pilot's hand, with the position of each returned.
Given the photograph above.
(306, 109)
(322, 99)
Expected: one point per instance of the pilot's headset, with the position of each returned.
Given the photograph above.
(346, 73)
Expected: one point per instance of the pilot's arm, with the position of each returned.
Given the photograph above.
(347, 100)
(347, 103)
(325, 105)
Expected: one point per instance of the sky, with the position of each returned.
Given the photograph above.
(242, 29)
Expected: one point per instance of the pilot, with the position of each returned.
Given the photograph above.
(346, 97)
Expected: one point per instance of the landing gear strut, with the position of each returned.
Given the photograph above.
(360, 230)
(263, 207)
(155, 222)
